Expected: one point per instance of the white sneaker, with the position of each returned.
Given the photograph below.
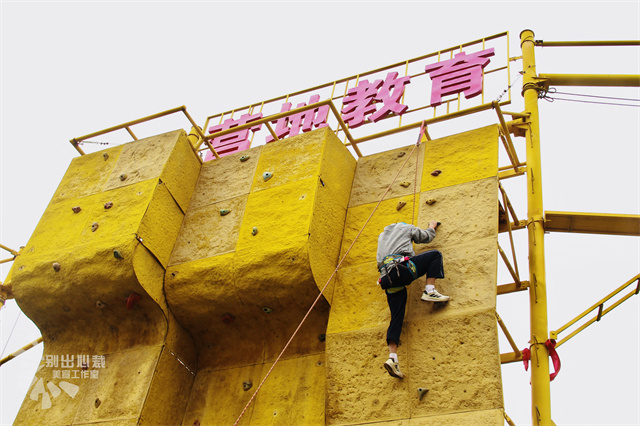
(393, 368)
(433, 297)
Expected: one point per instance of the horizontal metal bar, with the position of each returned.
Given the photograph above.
(449, 116)
(511, 173)
(607, 80)
(543, 43)
(512, 288)
(510, 357)
(128, 124)
(592, 223)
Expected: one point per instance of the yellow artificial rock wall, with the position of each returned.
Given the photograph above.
(228, 256)
(241, 282)
(103, 359)
(453, 349)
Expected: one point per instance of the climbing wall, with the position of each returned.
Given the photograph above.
(182, 282)
(452, 350)
(261, 236)
(91, 278)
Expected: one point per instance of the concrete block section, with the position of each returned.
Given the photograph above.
(467, 211)
(359, 302)
(470, 280)
(144, 159)
(218, 396)
(359, 389)
(202, 295)
(303, 377)
(87, 174)
(375, 173)
(291, 160)
(464, 157)
(457, 359)
(225, 178)
(205, 232)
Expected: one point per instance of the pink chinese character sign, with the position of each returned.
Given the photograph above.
(360, 102)
(462, 74)
(291, 124)
(233, 142)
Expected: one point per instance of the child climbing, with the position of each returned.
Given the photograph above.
(399, 266)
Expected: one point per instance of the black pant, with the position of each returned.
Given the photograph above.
(428, 263)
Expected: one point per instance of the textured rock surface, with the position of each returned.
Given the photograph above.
(450, 349)
(238, 295)
(242, 294)
(82, 308)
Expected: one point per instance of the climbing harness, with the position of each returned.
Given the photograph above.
(394, 262)
(422, 129)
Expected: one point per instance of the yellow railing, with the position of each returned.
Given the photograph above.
(413, 68)
(601, 310)
(127, 126)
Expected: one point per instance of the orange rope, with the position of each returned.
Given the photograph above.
(415, 182)
(327, 283)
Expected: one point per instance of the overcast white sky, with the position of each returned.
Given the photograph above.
(70, 68)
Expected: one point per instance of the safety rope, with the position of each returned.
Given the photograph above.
(10, 334)
(328, 281)
(415, 181)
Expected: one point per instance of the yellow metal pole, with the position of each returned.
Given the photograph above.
(21, 350)
(540, 386)
(607, 80)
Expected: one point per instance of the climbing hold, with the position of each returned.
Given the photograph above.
(56, 266)
(228, 319)
(322, 337)
(76, 209)
(267, 310)
(400, 205)
(123, 176)
(401, 154)
(98, 402)
(117, 254)
(247, 385)
(405, 184)
(422, 392)
(132, 300)
(431, 201)
(436, 172)
(108, 205)
(244, 158)
(105, 156)
(100, 304)
(224, 212)
(266, 176)
(94, 226)
(254, 231)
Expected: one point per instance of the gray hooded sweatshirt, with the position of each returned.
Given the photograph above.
(398, 238)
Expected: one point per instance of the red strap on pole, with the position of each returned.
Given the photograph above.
(551, 346)
(555, 358)
(526, 356)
